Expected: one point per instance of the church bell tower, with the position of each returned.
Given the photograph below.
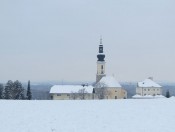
(100, 63)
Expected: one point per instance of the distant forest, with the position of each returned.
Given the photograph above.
(15, 91)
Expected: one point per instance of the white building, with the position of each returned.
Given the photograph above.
(148, 87)
(66, 92)
(106, 86)
(109, 88)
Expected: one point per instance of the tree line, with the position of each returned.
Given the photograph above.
(15, 91)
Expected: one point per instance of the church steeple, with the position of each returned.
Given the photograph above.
(100, 63)
(101, 55)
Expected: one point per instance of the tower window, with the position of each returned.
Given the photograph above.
(101, 66)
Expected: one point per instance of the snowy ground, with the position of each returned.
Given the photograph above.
(132, 115)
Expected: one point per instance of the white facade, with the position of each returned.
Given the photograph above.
(71, 92)
(148, 87)
(100, 70)
(109, 88)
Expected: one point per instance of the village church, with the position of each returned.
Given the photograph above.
(105, 87)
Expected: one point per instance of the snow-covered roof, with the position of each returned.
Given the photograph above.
(148, 83)
(70, 88)
(110, 81)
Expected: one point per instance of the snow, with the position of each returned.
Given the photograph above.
(110, 81)
(148, 83)
(147, 97)
(69, 88)
(136, 96)
(142, 97)
(130, 115)
(159, 96)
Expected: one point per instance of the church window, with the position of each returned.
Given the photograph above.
(115, 97)
(58, 94)
(101, 66)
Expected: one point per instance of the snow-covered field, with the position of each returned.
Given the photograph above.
(132, 115)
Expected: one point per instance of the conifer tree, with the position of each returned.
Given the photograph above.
(1, 91)
(17, 90)
(29, 94)
(8, 89)
(167, 94)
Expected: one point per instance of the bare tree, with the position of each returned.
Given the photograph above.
(73, 95)
(101, 91)
(82, 93)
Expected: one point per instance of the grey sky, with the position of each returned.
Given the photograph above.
(58, 40)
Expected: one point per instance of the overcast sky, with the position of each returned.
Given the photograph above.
(58, 39)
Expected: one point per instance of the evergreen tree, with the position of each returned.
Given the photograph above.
(17, 90)
(29, 94)
(1, 91)
(167, 94)
(8, 89)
